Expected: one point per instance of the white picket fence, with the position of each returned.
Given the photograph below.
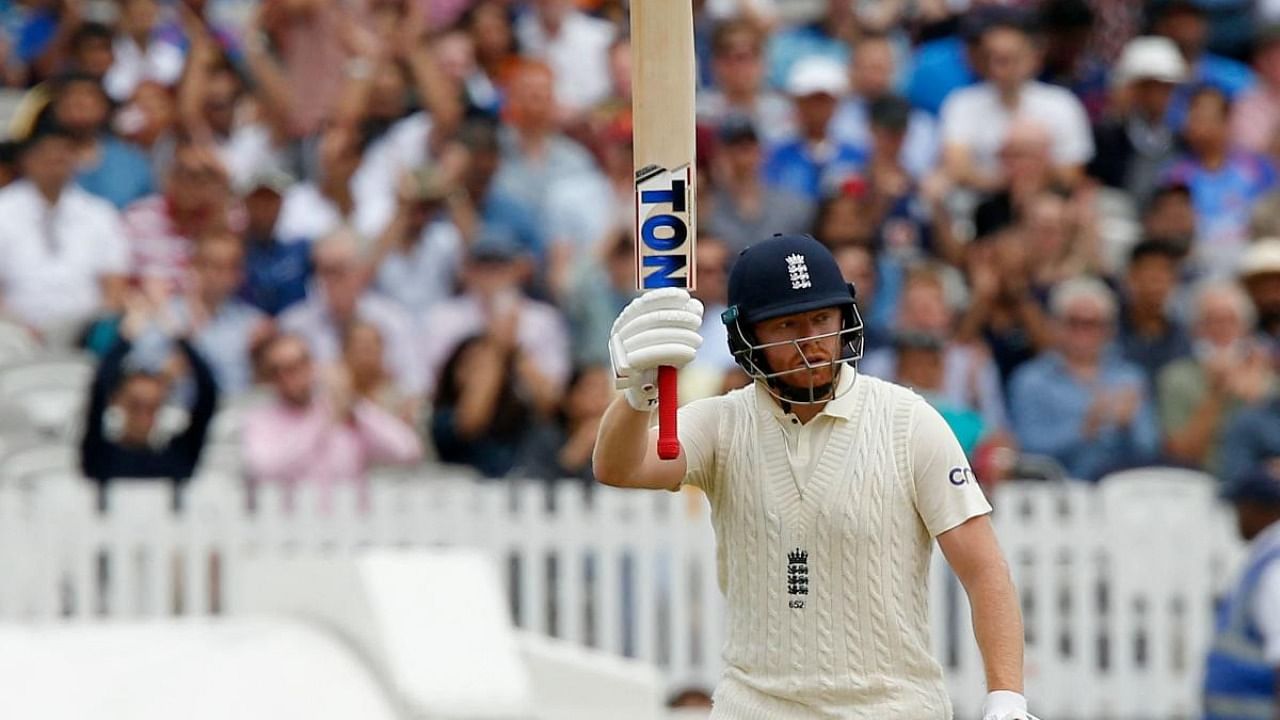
(1117, 581)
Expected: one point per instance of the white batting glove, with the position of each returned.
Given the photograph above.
(1005, 705)
(658, 328)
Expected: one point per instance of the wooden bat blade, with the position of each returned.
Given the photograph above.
(663, 81)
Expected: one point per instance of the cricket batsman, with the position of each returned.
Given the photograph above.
(827, 490)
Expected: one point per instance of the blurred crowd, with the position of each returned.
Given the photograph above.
(405, 225)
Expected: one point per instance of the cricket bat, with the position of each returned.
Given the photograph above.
(662, 114)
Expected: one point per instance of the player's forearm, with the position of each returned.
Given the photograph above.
(997, 627)
(622, 443)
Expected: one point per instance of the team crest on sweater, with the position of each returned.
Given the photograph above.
(797, 577)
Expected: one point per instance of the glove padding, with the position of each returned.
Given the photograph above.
(1005, 705)
(658, 328)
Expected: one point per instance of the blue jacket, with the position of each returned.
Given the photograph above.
(1239, 683)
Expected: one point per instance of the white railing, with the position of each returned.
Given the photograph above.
(1117, 581)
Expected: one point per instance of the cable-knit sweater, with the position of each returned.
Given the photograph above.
(824, 533)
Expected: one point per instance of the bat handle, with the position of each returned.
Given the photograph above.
(668, 440)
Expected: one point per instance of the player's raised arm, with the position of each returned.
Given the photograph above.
(657, 328)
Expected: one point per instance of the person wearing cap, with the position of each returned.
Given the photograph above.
(814, 163)
(737, 62)
(1134, 146)
(63, 253)
(1242, 671)
(873, 70)
(531, 333)
(743, 207)
(1260, 273)
(1186, 23)
(1255, 117)
(819, 478)
(975, 119)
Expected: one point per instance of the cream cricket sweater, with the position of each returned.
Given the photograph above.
(824, 561)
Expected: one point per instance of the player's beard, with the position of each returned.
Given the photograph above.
(804, 387)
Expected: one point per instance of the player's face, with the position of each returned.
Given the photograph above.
(803, 340)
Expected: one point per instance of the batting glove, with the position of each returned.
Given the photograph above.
(658, 328)
(1005, 705)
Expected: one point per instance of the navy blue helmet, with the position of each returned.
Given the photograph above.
(785, 275)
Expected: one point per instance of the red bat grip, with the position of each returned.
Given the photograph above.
(668, 440)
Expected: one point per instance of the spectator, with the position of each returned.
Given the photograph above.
(224, 328)
(63, 255)
(911, 218)
(163, 229)
(1004, 310)
(1070, 59)
(139, 53)
(1255, 116)
(480, 415)
(533, 332)
(737, 48)
(975, 120)
(814, 164)
(481, 140)
(1200, 395)
(277, 268)
(1026, 170)
(919, 363)
(1149, 336)
(319, 435)
(312, 210)
(968, 380)
(91, 51)
(598, 290)
(1225, 181)
(1076, 404)
(561, 448)
(150, 122)
(1260, 273)
(362, 354)
(534, 153)
(1185, 23)
(713, 368)
(338, 299)
(945, 64)
(417, 259)
(212, 102)
(574, 46)
(827, 38)
(743, 209)
(1135, 145)
(876, 302)
(123, 437)
(108, 167)
(1062, 237)
(1170, 217)
(873, 70)
(489, 25)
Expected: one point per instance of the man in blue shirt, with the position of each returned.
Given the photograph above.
(823, 38)
(277, 269)
(814, 163)
(1185, 23)
(109, 167)
(1088, 410)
